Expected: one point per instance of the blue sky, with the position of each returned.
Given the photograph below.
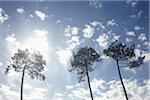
(58, 28)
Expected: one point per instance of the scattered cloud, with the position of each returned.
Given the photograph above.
(73, 42)
(103, 40)
(88, 31)
(96, 23)
(30, 93)
(130, 33)
(112, 23)
(108, 90)
(71, 30)
(40, 14)
(20, 10)
(142, 37)
(3, 16)
(138, 28)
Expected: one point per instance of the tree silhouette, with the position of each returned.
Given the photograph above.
(125, 56)
(82, 63)
(26, 62)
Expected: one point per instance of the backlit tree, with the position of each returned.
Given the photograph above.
(124, 56)
(82, 62)
(31, 63)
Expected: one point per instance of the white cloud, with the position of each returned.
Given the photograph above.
(110, 90)
(130, 33)
(142, 37)
(103, 40)
(30, 93)
(137, 28)
(3, 16)
(20, 10)
(88, 31)
(73, 42)
(40, 14)
(102, 90)
(112, 23)
(71, 30)
(12, 43)
(64, 55)
(96, 23)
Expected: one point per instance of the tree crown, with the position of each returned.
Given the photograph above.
(82, 60)
(122, 52)
(31, 63)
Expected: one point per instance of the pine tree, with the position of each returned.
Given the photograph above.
(26, 62)
(82, 63)
(124, 54)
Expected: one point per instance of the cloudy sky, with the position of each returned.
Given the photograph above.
(58, 28)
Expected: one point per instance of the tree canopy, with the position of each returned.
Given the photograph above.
(32, 62)
(82, 60)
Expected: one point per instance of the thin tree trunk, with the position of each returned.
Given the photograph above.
(122, 81)
(89, 84)
(21, 95)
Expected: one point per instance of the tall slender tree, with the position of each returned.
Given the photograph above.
(82, 62)
(26, 62)
(124, 56)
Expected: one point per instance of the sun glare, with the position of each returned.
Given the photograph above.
(38, 42)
